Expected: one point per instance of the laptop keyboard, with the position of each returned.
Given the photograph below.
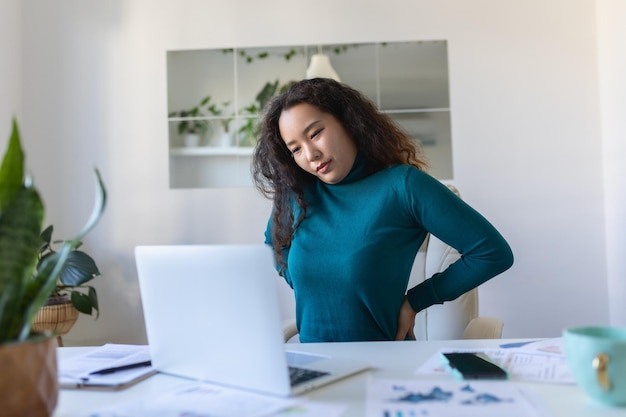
(300, 375)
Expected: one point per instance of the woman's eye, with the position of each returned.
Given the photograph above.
(316, 133)
(295, 150)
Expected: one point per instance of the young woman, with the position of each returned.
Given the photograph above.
(352, 206)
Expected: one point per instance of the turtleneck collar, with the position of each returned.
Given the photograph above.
(357, 172)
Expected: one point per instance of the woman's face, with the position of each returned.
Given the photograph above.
(318, 142)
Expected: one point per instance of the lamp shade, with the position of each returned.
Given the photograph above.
(320, 68)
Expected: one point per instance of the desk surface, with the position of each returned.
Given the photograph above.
(396, 360)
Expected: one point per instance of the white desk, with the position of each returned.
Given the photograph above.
(394, 360)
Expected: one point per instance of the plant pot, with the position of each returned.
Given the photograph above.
(29, 384)
(226, 139)
(191, 140)
(58, 316)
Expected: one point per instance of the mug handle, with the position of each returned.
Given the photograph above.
(601, 364)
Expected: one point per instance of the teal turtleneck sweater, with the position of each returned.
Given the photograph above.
(351, 257)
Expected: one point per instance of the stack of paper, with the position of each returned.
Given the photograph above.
(109, 367)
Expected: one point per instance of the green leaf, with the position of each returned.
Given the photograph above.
(12, 169)
(93, 296)
(100, 199)
(266, 93)
(79, 268)
(82, 302)
(46, 236)
(182, 127)
(20, 224)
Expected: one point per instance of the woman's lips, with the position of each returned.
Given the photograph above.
(323, 168)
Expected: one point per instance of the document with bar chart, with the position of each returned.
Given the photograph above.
(445, 398)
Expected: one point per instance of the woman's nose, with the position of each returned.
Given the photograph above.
(312, 153)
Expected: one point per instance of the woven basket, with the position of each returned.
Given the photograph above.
(57, 319)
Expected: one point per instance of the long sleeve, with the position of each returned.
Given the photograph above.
(281, 269)
(484, 251)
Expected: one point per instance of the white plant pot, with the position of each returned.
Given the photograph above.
(191, 139)
(226, 139)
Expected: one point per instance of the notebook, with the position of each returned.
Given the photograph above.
(212, 314)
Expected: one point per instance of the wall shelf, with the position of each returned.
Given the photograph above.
(217, 151)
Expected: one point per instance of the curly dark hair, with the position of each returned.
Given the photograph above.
(380, 141)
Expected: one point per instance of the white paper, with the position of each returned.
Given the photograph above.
(539, 367)
(404, 398)
(76, 370)
(199, 399)
(313, 409)
(541, 361)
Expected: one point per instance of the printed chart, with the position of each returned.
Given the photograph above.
(393, 398)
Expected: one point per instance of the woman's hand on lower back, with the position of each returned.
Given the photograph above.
(406, 321)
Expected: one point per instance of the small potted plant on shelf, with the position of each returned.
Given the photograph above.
(194, 122)
(24, 288)
(219, 111)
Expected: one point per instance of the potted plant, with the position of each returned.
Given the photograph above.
(24, 288)
(70, 295)
(219, 111)
(193, 123)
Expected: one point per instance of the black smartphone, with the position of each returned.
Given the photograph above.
(468, 365)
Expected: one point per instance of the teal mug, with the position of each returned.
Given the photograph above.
(597, 358)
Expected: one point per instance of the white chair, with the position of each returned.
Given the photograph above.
(457, 319)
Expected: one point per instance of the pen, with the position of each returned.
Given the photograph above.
(120, 368)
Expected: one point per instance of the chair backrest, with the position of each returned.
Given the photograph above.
(444, 321)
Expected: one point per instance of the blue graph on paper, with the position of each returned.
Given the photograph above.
(437, 394)
(441, 395)
(423, 399)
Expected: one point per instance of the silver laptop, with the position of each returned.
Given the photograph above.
(212, 314)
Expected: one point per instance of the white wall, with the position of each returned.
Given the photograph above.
(611, 20)
(525, 128)
(10, 65)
